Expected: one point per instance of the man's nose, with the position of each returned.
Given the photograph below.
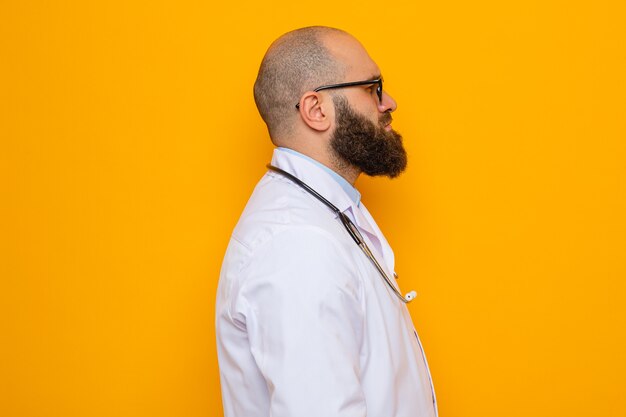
(387, 104)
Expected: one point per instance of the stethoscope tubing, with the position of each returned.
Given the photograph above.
(350, 227)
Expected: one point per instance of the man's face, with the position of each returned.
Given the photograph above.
(366, 145)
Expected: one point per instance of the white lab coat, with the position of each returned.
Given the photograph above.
(306, 326)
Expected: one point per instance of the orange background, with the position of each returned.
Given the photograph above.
(130, 144)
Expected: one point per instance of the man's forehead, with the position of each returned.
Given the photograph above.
(352, 54)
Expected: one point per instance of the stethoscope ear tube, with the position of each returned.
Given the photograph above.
(352, 230)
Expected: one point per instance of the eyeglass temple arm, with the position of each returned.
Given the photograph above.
(341, 85)
(351, 84)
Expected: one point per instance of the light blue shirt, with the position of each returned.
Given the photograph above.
(352, 192)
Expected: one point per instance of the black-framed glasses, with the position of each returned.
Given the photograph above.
(378, 82)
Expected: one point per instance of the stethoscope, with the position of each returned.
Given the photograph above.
(352, 230)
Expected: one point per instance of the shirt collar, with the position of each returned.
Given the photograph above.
(352, 192)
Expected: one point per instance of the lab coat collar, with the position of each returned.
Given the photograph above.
(352, 192)
(315, 177)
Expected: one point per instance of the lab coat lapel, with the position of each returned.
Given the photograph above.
(366, 228)
(382, 245)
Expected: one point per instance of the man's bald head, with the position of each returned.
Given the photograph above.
(296, 62)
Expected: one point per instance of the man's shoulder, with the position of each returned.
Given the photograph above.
(279, 206)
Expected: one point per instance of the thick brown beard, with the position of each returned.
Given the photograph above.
(364, 145)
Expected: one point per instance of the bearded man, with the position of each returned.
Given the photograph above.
(310, 322)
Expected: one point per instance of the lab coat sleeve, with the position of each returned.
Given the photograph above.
(304, 317)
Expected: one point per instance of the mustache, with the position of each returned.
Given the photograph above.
(385, 119)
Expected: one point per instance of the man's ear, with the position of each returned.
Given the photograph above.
(316, 112)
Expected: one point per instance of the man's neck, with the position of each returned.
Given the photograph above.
(350, 173)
